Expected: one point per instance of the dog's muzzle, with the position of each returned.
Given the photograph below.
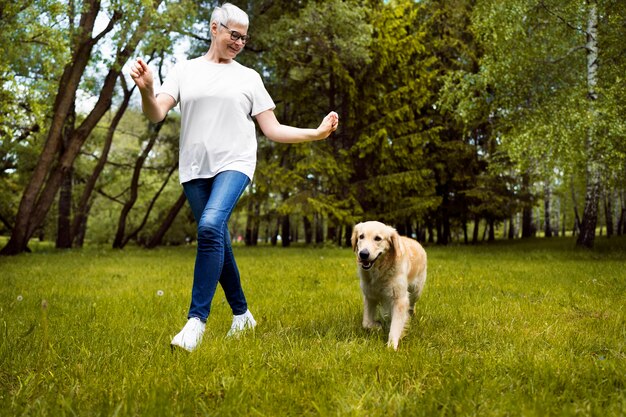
(364, 259)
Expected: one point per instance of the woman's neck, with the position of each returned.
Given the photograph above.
(213, 56)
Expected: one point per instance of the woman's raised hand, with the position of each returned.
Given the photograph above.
(329, 124)
(141, 74)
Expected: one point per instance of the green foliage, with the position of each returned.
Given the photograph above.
(312, 56)
(32, 43)
(535, 64)
(531, 328)
(444, 106)
(391, 129)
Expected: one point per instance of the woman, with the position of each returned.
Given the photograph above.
(218, 98)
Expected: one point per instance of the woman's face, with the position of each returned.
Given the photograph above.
(226, 46)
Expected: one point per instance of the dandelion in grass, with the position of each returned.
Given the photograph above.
(159, 293)
(20, 298)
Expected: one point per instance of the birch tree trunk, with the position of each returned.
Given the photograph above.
(590, 214)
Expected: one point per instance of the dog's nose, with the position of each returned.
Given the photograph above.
(364, 254)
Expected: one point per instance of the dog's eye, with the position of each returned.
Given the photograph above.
(361, 236)
(378, 238)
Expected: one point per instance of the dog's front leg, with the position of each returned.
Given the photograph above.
(399, 319)
(369, 313)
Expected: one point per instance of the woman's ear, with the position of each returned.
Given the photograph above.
(213, 28)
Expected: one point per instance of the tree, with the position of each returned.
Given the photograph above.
(315, 56)
(30, 47)
(541, 60)
(79, 222)
(126, 28)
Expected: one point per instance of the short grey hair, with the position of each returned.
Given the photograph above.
(229, 13)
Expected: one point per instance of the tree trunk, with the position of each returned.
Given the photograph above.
(64, 237)
(45, 181)
(274, 235)
(511, 234)
(285, 231)
(576, 228)
(492, 230)
(347, 238)
(475, 232)
(319, 228)
(134, 233)
(564, 219)
(153, 133)
(528, 230)
(331, 232)
(81, 231)
(157, 238)
(443, 236)
(308, 230)
(64, 100)
(592, 195)
(294, 231)
(83, 206)
(547, 195)
(252, 222)
(527, 210)
(556, 216)
(410, 231)
(621, 226)
(608, 214)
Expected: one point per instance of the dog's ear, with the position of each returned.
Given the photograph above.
(396, 244)
(355, 234)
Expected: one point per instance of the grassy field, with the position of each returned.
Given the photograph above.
(531, 328)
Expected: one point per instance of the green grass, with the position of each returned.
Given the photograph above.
(531, 328)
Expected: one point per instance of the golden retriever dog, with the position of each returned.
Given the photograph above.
(392, 270)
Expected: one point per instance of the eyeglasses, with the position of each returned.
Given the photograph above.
(235, 36)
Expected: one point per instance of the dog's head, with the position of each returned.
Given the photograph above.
(372, 241)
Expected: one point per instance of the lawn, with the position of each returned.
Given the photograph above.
(533, 328)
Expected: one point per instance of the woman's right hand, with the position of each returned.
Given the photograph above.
(141, 74)
(154, 107)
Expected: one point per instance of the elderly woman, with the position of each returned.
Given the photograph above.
(218, 98)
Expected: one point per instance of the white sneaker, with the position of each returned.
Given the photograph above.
(191, 335)
(241, 323)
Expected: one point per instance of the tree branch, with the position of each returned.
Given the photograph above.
(568, 53)
(110, 197)
(542, 4)
(117, 15)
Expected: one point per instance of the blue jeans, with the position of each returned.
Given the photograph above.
(212, 201)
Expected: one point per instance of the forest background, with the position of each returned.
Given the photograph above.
(461, 120)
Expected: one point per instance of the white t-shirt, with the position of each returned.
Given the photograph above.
(217, 102)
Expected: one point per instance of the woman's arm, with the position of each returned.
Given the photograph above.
(154, 107)
(287, 134)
